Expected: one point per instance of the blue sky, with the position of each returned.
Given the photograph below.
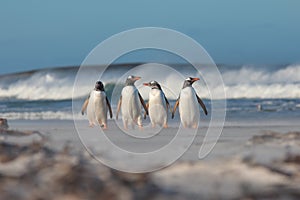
(36, 34)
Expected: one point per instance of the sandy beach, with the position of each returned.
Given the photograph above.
(248, 162)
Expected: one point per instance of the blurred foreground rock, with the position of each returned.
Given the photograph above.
(3, 123)
(36, 172)
(271, 137)
(268, 167)
(259, 172)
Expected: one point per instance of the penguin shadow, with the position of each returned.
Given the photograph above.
(141, 132)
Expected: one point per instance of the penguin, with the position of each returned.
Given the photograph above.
(130, 104)
(188, 104)
(96, 106)
(157, 105)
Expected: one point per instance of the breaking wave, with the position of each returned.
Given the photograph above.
(240, 82)
(249, 82)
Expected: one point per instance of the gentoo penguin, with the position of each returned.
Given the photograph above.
(130, 103)
(157, 105)
(188, 104)
(97, 105)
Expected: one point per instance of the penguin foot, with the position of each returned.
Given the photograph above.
(104, 126)
(91, 125)
(165, 126)
(195, 126)
(141, 127)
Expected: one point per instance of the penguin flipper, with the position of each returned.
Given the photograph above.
(143, 103)
(109, 108)
(147, 106)
(85, 104)
(119, 106)
(201, 104)
(168, 104)
(175, 107)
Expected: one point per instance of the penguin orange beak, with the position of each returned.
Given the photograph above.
(146, 84)
(136, 78)
(195, 79)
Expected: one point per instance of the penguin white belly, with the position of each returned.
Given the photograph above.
(157, 107)
(131, 105)
(97, 108)
(188, 107)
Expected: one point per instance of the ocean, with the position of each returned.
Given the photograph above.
(252, 92)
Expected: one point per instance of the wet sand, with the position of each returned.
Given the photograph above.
(49, 161)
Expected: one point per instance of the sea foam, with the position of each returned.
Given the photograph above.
(239, 82)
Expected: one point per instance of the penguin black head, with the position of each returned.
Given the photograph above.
(153, 85)
(131, 80)
(99, 86)
(188, 82)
